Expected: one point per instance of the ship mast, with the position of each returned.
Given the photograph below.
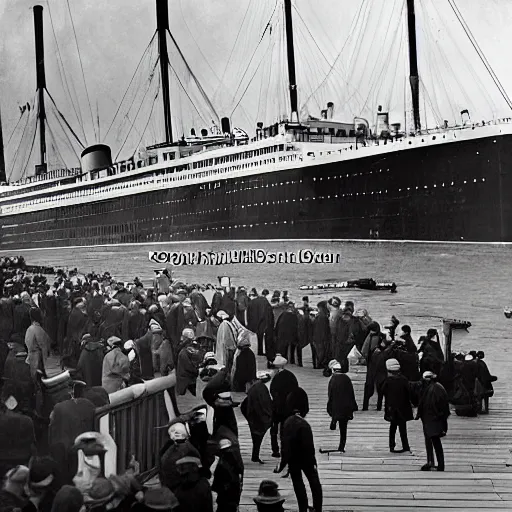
(413, 65)
(162, 21)
(291, 60)
(2, 159)
(41, 85)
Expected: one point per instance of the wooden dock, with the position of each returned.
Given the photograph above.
(369, 477)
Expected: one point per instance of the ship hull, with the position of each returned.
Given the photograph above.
(459, 191)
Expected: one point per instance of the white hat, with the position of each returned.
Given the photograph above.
(279, 361)
(129, 345)
(222, 315)
(392, 365)
(113, 340)
(189, 333)
(225, 443)
(468, 357)
(333, 363)
(429, 375)
(209, 355)
(154, 326)
(187, 302)
(225, 395)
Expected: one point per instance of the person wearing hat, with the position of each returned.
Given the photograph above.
(298, 452)
(12, 494)
(100, 495)
(68, 499)
(68, 420)
(334, 305)
(37, 343)
(116, 366)
(187, 371)
(42, 485)
(193, 492)
(242, 302)
(433, 410)
(485, 377)
(372, 351)
(341, 401)
(175, 322)
(257, 410)
(227, 334)
(321, 337)
(260, 320)
(228, 476)
(282, 384)
(430, 353)
(90, 362)
(397, 408)
(135, 324)
(268, 498)
(287, 334)
(244, 363)
(468, 372)
(157, 498)
(76, 328)
(348, 332)
(175, 449)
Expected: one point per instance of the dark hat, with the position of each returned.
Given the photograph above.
(42, 471)
(264, 292)
(335, 302)
(160, 498)
(431, 332)
(480, 354)
(347, 311)
(276, 293)
(268, 493)
(101, 492)
(305, 298)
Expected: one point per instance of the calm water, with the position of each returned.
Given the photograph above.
(457, 281)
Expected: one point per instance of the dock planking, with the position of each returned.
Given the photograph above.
(369, 477)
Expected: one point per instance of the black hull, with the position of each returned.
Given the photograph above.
(446, 192)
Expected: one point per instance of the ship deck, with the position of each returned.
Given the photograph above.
(369, 477)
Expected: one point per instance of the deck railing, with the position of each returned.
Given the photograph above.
(129, 423)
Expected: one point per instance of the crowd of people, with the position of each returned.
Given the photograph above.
(108, 335)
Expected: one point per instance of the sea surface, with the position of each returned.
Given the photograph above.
(462, 281)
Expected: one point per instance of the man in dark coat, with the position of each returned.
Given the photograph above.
(410, 346)
(134, 324)
(298, 453)
(347, 331)
(6, 318)
(341, 402)
(376, 373)
(50, 324)
(175, 322)
(432, 356)
(21, 316)
(283, 383)
(75, 330)
(260, 320)
(12, 494)
(142, 347)
(257, 410)
(68, 420)
(398, 410)
(321, 342)
(433, 410)
(187, 369)
(90, 362)
(287, 335)
(17, 439)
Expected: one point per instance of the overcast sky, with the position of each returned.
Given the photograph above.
(371, 70)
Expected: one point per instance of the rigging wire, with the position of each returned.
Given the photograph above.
(350, 33)
(140, 106)
(252, 77)
(83, 74)
(63, 77)
(24, 167)
(66, 135)
(14, 129)
(232, 50)
(129, 85)
(16, 152)
(201, 90)
(252, 56)
(149, 117)
(480, 53)
(64, 119)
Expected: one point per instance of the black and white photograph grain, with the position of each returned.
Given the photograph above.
(255, 255)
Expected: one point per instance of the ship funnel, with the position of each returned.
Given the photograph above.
(330, 110)
(96, 157)
(225, 125)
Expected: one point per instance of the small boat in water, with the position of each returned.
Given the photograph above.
(362, 284)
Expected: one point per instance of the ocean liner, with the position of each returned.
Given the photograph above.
(297, 179)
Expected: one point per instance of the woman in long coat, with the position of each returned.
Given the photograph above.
(244, 364)
(321, 342)
(341, 402)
